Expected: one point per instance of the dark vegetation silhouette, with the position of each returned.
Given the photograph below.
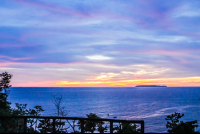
(176, 126)
(127, 128)
(15, 125)
(92, 126)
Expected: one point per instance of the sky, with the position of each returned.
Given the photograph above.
(100, 43)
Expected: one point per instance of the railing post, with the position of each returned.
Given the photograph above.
(25, 124)
(47, 120)
(82, 126)
(111, 127)
(54, 124)
(142, 127)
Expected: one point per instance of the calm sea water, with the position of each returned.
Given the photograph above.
(151, 104)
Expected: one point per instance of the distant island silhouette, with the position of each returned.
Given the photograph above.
(150, 86)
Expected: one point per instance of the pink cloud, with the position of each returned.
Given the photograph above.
(160, 18)
(13, 45)
(185, 81)
(4, 35)
(165, 52)
(36, 84)
(191, 34)
(53, 8)
(12, 58)
(6, 63)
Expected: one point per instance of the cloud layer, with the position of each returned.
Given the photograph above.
(54, 43)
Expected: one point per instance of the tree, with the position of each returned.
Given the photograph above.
(11, 124)
(59, 109)
(176, 126)
(4, 85)
(91, 126)
(127, 128)
(61, 112)
(4, 82)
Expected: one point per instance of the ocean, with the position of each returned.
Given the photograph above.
(151, 104)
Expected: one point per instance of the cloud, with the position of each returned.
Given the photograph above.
(52, 8)
(98, 57)
(187, 81)
(95, 40)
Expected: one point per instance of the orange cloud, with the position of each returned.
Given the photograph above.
(186, 81)
(170, 82)
(105, 76)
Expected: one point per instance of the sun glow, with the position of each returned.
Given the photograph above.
(186, 81)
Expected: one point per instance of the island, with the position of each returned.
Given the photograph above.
(150, 86)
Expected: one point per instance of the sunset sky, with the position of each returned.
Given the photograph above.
(100, 43)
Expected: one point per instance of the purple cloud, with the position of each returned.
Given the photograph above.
(97, 37)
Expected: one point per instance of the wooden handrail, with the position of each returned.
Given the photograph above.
(77, 118)
(74, 118)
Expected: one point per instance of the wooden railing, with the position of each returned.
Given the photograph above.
(54, 119)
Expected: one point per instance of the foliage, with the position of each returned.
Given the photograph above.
(4, 105)
(11, 124)
(4, 82)
(176, 126)
(61, 112)
(127, 128)
(91, 126)
(59, 109)
(4, 85)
